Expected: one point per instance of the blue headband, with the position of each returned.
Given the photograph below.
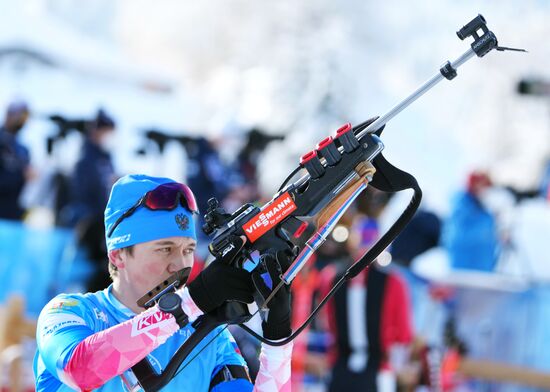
(143, 225)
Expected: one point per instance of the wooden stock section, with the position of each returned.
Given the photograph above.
(504, 373)
(364, 172)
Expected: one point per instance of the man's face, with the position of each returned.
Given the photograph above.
(152, 262)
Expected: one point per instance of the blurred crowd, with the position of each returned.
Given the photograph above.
(365, 335)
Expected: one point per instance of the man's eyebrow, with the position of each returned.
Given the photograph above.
(164, 243)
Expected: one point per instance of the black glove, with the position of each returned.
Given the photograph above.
(277, 325)
(220, 282)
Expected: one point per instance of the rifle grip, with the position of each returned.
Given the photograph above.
(365, 171)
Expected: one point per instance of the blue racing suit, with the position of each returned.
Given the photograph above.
(70, 318)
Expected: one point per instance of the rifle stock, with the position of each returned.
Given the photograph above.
(365, 171)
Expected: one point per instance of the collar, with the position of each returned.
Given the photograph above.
(124, 311)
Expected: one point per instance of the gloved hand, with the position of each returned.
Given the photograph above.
(277, 325)
(220, 282)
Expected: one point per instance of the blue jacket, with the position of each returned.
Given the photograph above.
(14, 160)
(470, 235)
(90, 185)
(207, 174)
(60, 328)
(421, 234)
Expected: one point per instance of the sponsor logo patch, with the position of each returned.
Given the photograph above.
(63, 304)
(272, 214)
(100, 315)
(186, 333)
(149, 322)
(57, 322)
(119, 240)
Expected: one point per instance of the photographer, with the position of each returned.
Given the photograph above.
(94, 174)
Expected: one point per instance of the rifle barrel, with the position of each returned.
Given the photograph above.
(414, 96)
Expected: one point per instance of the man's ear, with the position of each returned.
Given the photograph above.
(116, 258)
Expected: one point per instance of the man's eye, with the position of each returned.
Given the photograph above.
(188, 251)
(165, 250)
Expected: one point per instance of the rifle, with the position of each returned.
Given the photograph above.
(302, 213)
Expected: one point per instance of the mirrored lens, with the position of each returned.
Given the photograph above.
(167, 196)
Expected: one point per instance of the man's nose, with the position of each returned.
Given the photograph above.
(178, 263)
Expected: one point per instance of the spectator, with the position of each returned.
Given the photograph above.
(257, 140)
(421, 234)
(370, 320)
(94, 174)
(305, 363)
(470, 233)
(89, 187)
(14, 161)
(207, 173)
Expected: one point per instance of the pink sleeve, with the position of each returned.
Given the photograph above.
(274, 373)
(188, 305)
(109, 353)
